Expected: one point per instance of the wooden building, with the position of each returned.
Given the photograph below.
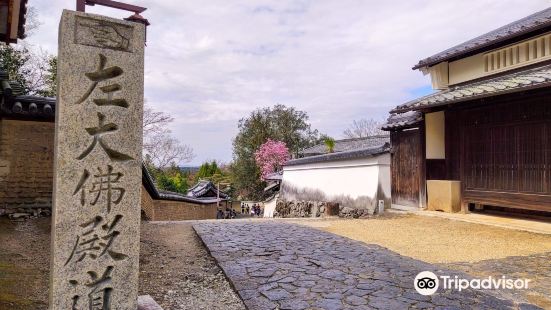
(12, 20)
(488, 128)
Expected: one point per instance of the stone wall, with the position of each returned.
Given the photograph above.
(148, 205)
(166, 210)
(26, 176)
(170, 210)
(292, 209)
(26, 166)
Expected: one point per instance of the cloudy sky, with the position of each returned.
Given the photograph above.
(211, 62)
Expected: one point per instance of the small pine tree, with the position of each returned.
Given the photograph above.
(330, 144)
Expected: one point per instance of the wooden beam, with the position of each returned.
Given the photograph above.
(111, 4)
(422, 166)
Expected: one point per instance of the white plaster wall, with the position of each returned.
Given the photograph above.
(269, 206)
(473, 67)
(350, 179)
(384, 180)
(435, 132)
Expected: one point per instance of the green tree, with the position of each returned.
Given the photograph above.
(13, 60)
(169, 179)
(329, 144)
(278, 123)
(207, 170)
(213, 172)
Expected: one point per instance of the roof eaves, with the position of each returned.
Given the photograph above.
(404, 120)
(499, 35)
(149, 184)
(320, 149)
(167, 195)
(341, 155)
(529, 79)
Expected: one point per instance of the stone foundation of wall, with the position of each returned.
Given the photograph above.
(290, 209)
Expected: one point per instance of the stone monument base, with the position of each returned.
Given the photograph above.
(146, 302)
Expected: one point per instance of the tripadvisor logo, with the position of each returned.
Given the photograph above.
(427, 283)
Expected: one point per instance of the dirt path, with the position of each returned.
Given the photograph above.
(24, 264)
(178, 272)
(174, 268)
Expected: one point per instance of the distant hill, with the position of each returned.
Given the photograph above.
(190, 169)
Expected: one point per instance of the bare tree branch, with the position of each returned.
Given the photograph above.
(154, 122)
(31, 21)
(36, 69)
(364, 128)
(164, 150)
(158, 145)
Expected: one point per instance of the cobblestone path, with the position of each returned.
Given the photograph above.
(287, 266)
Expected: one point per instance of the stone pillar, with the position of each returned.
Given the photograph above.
(98, 151)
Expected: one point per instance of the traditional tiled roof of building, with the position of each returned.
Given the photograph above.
(14, 103)
(514, 82)
(203, 187)
(155, 193)
(359, 153)
(535, 22)
(405, 120)
(275, 176)
(347, 145)
(32, 107)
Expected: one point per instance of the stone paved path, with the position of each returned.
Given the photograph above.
(286, 266)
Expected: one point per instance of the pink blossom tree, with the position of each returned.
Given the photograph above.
(271, 156)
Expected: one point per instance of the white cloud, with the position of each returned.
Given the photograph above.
(209, 63)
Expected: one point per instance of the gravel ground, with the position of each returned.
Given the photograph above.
(437, 240)
(175, 268)
(177, 271)
(535, 267)
(24, 264)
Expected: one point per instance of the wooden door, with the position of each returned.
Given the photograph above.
(405, 167)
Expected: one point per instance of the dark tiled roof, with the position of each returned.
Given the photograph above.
(523, 80)
(149, 184)
(276, 176)
(203, 187)
(7, 87)
(347, 145)
(273, 186)
(31, 107)
(534, 22)
(403, 120)
(177, 196)
(361, 153)
(13, 103)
